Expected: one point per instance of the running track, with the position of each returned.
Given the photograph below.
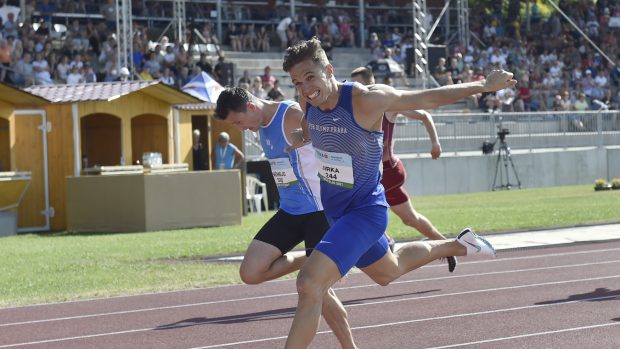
(560, 297)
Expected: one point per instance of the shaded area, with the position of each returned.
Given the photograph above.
(598, 295)
(275, 314)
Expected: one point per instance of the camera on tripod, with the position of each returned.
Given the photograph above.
(501, 134)
(487, 146)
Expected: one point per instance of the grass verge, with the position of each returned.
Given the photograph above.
(38, 268)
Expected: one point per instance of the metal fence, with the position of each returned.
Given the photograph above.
(466, 132)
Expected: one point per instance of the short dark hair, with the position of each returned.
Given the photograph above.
(304, 50)
(232, 99)
(365, 73)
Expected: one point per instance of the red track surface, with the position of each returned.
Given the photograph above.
(561, 297)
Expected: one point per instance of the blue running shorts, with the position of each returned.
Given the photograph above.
(357, 238)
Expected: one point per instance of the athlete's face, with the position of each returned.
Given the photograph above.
(249, 120)
(312, 81)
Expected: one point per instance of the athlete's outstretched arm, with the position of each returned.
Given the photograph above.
(388, 98)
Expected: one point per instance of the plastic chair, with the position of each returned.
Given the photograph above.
(255, 192)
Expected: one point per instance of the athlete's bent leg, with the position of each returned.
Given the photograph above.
(411, 256)
(263, 262)
(336, 317)
(317, 275)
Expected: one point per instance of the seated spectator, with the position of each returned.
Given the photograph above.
(75, 76)
(89, 74)
(440, 72)
(145, 74)
(275, 93)
(245, 78)
(262, 40)
(204, 64)
(62, 69)
(41, 70)
(267, 78)
(24, 73)
(167, 77)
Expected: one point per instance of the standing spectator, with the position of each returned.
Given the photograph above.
(226, 155)
(198, 152)
(281, 31)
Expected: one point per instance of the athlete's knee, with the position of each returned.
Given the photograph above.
(250, 276)
(385, 279)
(308, 287)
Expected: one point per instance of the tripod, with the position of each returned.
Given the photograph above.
(504, 156)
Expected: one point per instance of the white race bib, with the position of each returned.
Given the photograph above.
(335, 168)
(283, 172)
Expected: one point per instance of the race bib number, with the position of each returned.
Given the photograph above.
(335, 168)
(283, 172)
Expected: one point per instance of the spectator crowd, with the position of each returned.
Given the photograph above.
(556, 66)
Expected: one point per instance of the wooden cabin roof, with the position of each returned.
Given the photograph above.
(108, 91)
(14, 95)
(196, 106)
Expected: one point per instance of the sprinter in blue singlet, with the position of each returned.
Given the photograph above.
(300, 216)
(344, 125)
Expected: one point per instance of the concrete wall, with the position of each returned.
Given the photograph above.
(540, 168)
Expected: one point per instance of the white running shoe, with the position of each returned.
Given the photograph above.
(475, 245)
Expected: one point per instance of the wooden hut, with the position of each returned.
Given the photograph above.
(199, 116)
(87, 125)
(23, 136)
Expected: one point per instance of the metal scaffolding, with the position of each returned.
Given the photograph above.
(462, 22)
(179, 19)
(124, 36)
(420, 43)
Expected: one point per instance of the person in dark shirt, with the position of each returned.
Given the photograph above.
(204, 64)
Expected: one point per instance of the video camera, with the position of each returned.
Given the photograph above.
(501, 134)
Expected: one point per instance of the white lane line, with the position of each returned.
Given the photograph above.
(442, 265)
(396, 323)
(76, 317)
(371, 303)
(529, 335)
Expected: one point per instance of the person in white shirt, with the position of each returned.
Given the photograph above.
(41, 70)
(281, 31)
(75, 76)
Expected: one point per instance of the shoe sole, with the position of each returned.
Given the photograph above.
(451, 263)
